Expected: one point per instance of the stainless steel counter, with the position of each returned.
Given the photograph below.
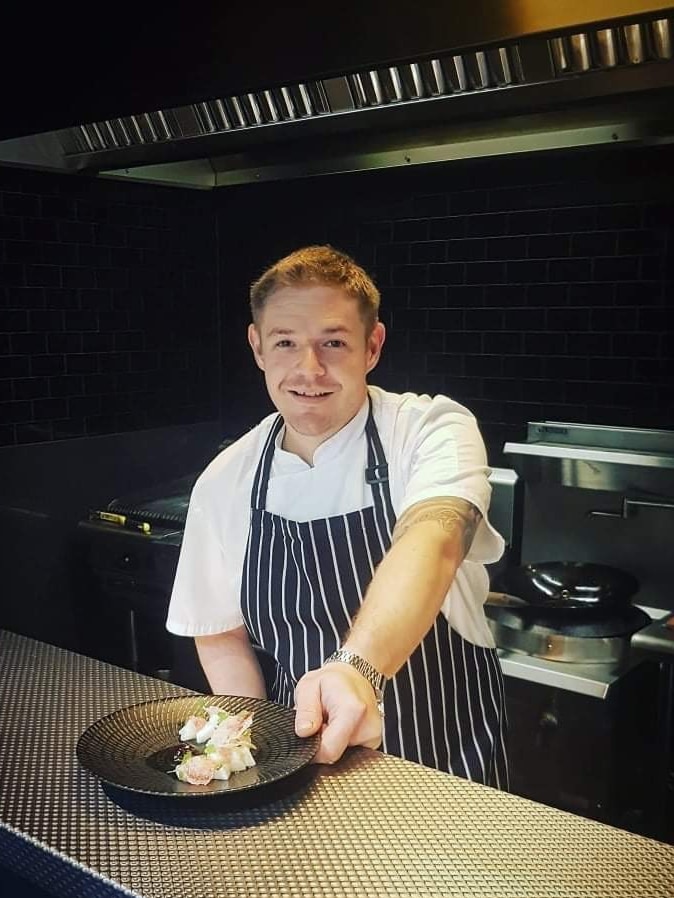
(371, 826)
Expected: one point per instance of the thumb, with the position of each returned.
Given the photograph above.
(308, 709)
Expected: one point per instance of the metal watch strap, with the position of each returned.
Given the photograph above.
(375, 679)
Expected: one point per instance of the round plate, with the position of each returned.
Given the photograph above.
(133, 748)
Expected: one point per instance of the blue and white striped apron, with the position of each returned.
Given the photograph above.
(301, 588)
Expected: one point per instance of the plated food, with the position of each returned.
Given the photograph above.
(227, 746)
(140, 747)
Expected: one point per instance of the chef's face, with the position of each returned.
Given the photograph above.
(311, 343)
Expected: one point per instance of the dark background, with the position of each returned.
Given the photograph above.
(527, 287)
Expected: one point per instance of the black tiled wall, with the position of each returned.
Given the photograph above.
(527, 288)
(108, 311)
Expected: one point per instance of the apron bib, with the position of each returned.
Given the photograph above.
(303, 584)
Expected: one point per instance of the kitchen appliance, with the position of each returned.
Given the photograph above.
(589, 695)
(566, 611)
(293, 94)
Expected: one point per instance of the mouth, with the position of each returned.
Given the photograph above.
(310, 395)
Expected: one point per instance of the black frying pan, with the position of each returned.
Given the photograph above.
(564, 587)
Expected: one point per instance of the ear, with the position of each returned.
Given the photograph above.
(255, 341)
(374, 345)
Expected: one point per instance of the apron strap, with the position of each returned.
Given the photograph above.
(258, 495)
(376, 473)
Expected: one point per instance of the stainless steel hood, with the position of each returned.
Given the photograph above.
(537, 78)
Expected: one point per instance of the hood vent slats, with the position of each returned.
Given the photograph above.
(531, 61)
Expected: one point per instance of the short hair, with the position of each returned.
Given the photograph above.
(318, 265)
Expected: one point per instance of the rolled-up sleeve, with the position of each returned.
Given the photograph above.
(447, 458)
(204, 599)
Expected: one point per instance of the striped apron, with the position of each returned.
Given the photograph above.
(303, 584)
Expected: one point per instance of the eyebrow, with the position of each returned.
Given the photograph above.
(287, 331)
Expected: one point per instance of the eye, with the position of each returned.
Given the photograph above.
(282, 344)
(335, 344)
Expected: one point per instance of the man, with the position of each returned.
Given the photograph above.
(346, 536)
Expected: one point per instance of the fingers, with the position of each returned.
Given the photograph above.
(342, 725)
(337, 701)
(308, 707)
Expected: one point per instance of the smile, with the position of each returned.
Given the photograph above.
(307, 394)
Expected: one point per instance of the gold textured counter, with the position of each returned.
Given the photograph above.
(371, 826)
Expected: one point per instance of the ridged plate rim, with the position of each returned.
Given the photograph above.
(279, 754)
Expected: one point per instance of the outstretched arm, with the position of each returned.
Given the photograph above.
(430, 541)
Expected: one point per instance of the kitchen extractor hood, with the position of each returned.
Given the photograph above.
(502, 85)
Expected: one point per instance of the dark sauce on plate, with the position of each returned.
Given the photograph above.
(167, 759)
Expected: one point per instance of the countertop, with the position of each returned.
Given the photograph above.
(370, 826)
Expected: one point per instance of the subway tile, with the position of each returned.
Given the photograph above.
(428, 297)
(545, 343)
(34, 432)
(578, 219)
(487, 225)
(82, 363)
(467, 250)
(569, 319)
(393, 254)
(20, 205)
(28, 344)
(447, 273)
(409, 275)
(465, 202)
(74, 277)
(528, 222)
(445, 320)
(504, 342)
(458, 341)
(13, 320)
(428, 251)
(47, 365)
(485, 273)
(548, 246)
(625, 268)
(57, 207)
(11, 228)
(507, 248)
(527, 272)
(30, 387)
(59, 254)
(66, 342)
(12, 275)
(43, 275)
(42, 320)
(484, 319)
(463, 296)
(429, 206)
(589, 344)
(40, 229)
(597, 243)
(591, 294)
(49, 409)
(61, 298)
(415, 229)
(568, 270)
(619, 217)
(447, 228)
(82, 320)
(23, 251)
(526, 367)
(15, 412)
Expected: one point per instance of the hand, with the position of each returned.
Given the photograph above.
(340, 703)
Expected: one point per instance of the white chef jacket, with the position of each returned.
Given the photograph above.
(433, 448)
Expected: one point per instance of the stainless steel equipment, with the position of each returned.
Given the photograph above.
(600, 496)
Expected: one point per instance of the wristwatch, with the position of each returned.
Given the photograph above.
(375, 679)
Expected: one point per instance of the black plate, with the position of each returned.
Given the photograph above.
(133, 748)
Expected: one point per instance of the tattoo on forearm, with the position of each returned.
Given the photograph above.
(453, 515)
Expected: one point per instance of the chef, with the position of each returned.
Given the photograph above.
(346, 536)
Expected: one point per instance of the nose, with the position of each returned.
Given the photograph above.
(310, 363)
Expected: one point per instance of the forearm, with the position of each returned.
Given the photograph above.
(410, 585)
(230, 664)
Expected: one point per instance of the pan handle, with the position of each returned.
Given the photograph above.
(629, 508)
